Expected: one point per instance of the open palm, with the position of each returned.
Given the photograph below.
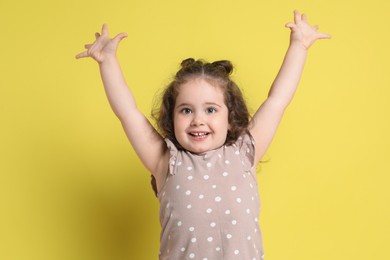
(103, 47)
(302, 32)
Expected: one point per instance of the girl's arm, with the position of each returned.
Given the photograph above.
(269, 115)
(147, 143)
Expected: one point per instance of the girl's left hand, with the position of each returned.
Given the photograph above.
(302, 32)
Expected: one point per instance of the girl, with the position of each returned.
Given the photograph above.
(204, 157)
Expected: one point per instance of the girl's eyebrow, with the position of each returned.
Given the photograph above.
(206, 104)
(189, 105)
(183, 105)
(212, 104)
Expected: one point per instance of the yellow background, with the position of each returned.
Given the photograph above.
(71, 186)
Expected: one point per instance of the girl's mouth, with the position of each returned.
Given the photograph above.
(199, 135)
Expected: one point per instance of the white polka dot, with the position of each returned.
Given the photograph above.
(210, 239)
(179, 163)
(190, 177)
(219, 155)
(178, 187)
(256, 220)
(237, 152)
(201, 196)
(188, 192)
(248, 211)
(227, 162)
(233, 188)
(236, 252)
(250, 184)
(205, 258)
(218, 249)
(182, 249)
(193, 240)
(212, 224)
(253, 198)
(209, 210)
(209, 164)
(206, 177)
(168, 205)
(249, 238)
(179, 223)
(234, 222)
(218, 199)
(243, 175)
(214, 186)
(189, 168)
(191, 229)
(189, 206)
(228, 236)
(227, 212)
(192, 255)
(224, 174)
(238, 200)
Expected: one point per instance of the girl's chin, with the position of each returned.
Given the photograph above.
(201, 150)
(195, 150)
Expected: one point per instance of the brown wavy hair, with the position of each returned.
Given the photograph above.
(217, 74)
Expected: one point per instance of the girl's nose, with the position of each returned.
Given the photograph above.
(197, 120)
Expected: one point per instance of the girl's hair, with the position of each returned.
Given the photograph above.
(217, 74)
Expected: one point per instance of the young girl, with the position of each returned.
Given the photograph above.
(205, 154)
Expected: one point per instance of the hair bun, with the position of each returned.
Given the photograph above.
(187, 62)
(226, 65)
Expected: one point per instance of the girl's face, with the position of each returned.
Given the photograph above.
(200, 116)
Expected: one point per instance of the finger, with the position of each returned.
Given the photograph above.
(97, 35)
(105, 30)
(82, 55)
(119, 37)
(87, 46)
(304, 18)
(324, 36)
(297, 16)
(315, 27)
(290, 25)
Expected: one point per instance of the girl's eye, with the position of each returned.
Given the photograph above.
(186, 111)
(211, 110)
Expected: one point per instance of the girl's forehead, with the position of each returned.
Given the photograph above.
(200, 88)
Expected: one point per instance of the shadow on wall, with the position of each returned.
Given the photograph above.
(104, 214)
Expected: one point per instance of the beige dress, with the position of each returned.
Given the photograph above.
(209, 204)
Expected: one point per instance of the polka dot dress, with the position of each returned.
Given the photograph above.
(209, 204)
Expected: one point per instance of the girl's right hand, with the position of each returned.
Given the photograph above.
(103, 48)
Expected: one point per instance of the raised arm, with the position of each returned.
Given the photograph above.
(267, 118)
(146, 141)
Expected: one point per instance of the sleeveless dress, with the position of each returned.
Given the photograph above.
(209, 204)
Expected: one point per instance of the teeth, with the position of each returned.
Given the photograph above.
(199, 134)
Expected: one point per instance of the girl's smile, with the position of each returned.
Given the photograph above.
(200, 116)
(199, 135)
